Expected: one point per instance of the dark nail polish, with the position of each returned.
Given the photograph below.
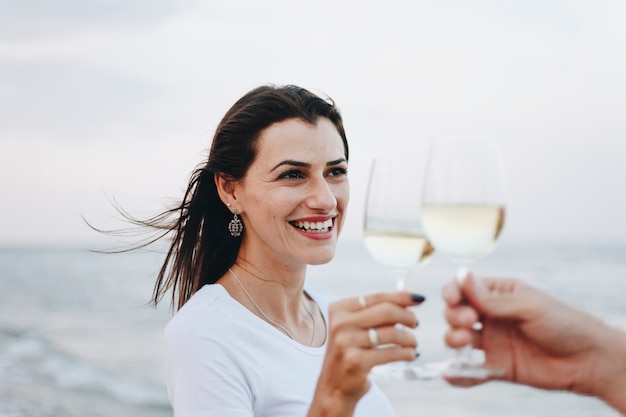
(417, 354)
(417, 298)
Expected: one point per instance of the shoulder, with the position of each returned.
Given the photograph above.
(207, 311)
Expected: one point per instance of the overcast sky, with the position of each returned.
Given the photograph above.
(119, 99)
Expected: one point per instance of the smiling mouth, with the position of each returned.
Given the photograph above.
(314, 227)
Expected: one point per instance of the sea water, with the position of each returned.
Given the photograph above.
(78, 338)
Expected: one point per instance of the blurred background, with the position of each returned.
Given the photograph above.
(105, 99)
(117, 100)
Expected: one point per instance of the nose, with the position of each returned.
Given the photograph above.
(321, 196)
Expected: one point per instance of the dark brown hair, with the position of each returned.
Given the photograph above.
(201, 248)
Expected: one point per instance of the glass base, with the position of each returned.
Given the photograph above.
(407, 371)
(459, 373)
(471, 371)
(465, 369)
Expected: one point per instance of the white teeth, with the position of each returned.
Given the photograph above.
(315, 227)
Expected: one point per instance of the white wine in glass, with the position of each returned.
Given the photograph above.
(403, 251)
(393, 232)
(463, 213)
(392, 228)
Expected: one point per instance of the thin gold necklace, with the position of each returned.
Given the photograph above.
(272, 322)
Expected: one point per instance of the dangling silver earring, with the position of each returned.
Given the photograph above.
(235, 226)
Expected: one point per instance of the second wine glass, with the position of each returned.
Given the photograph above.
(463, 215)
(393, 231)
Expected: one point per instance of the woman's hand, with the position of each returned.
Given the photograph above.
(358, 327)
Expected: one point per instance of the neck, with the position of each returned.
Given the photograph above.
(290, 278)
(284, 306)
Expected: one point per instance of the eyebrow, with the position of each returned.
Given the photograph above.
(307, 165)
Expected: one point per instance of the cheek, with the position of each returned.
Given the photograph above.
(343, 195)
(275, 204)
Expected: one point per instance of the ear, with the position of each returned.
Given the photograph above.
(226, 190)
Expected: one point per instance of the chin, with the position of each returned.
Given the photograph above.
(323, 256)
(321, 262)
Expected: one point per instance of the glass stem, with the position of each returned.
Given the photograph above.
(464, 354)
(461, 273)
(401, 277)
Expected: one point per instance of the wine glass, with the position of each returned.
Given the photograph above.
(393, 232)
(463, 214)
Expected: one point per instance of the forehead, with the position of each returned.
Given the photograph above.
(296, 139)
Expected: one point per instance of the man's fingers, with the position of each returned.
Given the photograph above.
(461, 316)
(451, 293)
(457, 338)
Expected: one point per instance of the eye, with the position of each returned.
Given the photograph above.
(293, 174)
(337, 171)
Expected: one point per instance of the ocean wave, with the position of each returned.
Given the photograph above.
(28, 357)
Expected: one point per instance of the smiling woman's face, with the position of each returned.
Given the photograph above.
(293, 198)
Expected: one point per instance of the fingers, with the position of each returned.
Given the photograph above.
(378, 325)
(500, 298)
(461, 316)
(383, 337)
(386, 314)
(390, 343)
(451, 293)
(361, 302)
(392, 353)
(364, 332)
(382, 311)
(458, 338)
(491, 297)
(376, 310)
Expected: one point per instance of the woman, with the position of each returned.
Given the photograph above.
(250, 338)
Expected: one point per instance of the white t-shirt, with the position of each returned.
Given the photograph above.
(222, 360)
